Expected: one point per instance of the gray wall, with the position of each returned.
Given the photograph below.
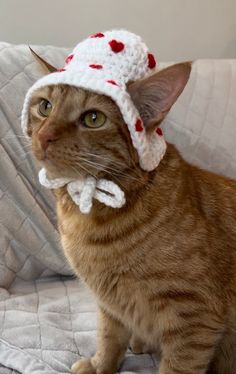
(174, 29)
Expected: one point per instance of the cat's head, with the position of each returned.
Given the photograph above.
(76, 132)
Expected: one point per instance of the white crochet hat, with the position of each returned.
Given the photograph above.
(104, 63)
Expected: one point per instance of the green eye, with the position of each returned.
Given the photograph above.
(93, 119)
(45, 108)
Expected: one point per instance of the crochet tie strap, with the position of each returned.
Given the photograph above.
(82, 191)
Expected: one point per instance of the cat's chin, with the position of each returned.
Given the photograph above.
(54, 171)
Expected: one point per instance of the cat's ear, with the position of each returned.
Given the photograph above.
(155, 95)
(45, 66)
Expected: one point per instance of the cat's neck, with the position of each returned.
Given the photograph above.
(145, 193)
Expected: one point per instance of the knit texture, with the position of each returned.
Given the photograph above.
(82, 191)
(105, 63)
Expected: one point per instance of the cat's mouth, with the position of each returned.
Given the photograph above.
(60, 167)
(62, 161)
(52, 164)
(62, 171)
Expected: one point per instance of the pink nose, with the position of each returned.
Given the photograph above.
(46, 137)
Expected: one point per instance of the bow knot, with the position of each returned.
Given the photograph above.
(82, 191)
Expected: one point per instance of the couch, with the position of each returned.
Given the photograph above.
(47, 316)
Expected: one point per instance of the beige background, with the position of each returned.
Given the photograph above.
(173, 29)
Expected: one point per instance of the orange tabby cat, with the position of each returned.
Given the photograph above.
(162, 267)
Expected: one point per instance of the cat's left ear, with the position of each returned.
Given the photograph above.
(155, 95)
(45, 66)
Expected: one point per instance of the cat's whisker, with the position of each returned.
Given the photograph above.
(101, 168)
(76, 171)
(85, 169)
(115, 163)
(104, 169)
(119, 173)
(17, 136)
(107, 158)
(27, 146)
(86, 154)
(107, 168)
(116, 175)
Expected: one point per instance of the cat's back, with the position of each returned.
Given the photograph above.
(215, 197)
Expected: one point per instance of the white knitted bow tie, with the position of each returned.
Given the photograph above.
(82, 191)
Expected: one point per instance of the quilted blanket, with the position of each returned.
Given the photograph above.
(47, 316)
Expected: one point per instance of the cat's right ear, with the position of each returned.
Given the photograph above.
(46, 68)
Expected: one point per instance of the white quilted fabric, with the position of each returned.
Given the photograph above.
(105, 63)
(202, 123)
(47, 318)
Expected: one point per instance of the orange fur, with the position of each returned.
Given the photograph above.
(163, 267)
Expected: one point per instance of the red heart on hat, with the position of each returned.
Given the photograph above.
(116, 46)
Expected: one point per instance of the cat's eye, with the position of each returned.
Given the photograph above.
(93, 119)
(45, 108)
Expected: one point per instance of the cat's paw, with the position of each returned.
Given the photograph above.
(83, 366)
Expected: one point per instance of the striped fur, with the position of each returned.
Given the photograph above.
(163, 267)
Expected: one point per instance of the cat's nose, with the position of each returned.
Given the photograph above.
(46, 137)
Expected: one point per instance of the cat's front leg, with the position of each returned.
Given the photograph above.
(113, 339)
(189, 351)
